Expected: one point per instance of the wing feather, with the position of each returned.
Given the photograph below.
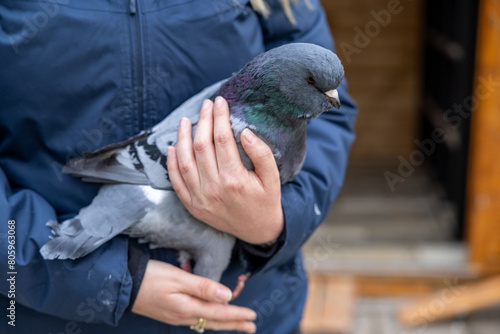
(142, 158)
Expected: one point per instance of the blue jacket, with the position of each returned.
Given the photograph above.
(76, 75)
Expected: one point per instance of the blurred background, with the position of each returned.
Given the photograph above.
(412, 244)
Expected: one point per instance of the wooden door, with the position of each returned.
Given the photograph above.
(483, 191)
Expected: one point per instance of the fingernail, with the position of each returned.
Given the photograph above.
(251, 328)
(205, 104)
(218, 101)
(249, 136)
(252, 316)
(223, 294)
(183, 122)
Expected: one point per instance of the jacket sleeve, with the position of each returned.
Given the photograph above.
(99, 284)
(307, 200)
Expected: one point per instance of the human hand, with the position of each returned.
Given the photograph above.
(211, 181)
(176, 297)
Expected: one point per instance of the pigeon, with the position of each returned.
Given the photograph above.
(274, 95)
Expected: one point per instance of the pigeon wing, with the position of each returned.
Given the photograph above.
(140, 159)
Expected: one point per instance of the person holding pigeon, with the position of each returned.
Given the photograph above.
(132, 64)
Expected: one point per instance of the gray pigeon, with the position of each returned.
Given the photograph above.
(274, 95)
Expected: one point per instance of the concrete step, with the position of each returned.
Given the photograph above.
(389, 259)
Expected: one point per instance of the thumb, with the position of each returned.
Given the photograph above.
(203, 288)
(262, 157)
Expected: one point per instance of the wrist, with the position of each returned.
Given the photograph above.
(266, 233)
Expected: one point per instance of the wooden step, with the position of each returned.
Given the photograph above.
(451, 302)
(330, 304)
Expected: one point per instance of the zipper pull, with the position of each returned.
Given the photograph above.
(132, 5)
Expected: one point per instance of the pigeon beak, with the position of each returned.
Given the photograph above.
(333, 98)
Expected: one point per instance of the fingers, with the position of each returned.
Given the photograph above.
(211, 181)
(240, 326)
(175, 176)
(195, 165)
(169, 294)
(262, 158)
(221, 312)
(209, 300)
(203, 288)
(203, 144)
(222, 316)
(186, 162)
(228, 157)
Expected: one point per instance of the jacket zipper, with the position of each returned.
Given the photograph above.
(133, 7)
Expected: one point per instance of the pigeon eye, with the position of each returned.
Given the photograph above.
(311, 80)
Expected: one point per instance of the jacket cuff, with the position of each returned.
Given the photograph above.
(256, 256)
(138, 257)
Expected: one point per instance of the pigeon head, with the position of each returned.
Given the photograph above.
(307, 75)
(277, 92)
